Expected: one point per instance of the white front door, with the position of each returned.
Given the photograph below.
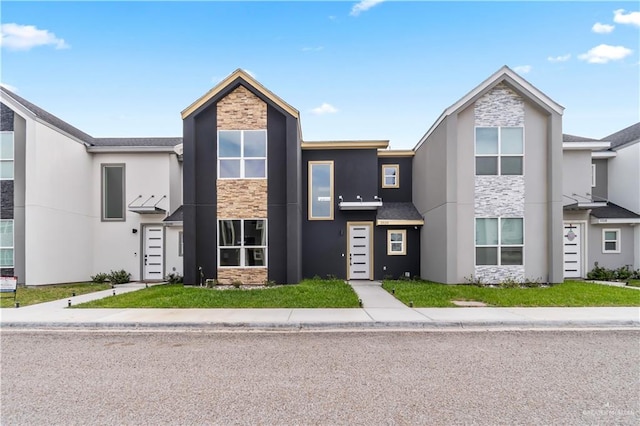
(359, 261)
(153, 245)
(572, 250)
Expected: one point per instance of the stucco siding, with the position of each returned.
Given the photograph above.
(576, 171)
(624, 178)
(610, 260)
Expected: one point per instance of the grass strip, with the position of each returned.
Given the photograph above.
(33, 295)
(426, 294)
(307, 294)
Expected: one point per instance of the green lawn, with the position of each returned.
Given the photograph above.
(307, 294)
(634, 283)
(571, 293)
(33, 295)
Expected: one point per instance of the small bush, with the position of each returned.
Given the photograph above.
(510, 283)
(623, 273)
(471, 280)
(269, 283)
(236, 283)
(99, 278)
(532, 283)
(174, 278)
(119, 277)
(211, 283)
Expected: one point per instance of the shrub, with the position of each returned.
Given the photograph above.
(119, 277)
(510, 283)
(471, 280)
(99, 278)
(211, 283)
(236, 283)
(623, 273)
(173, 278)
(269, 283)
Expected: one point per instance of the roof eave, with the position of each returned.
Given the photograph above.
(130, 149)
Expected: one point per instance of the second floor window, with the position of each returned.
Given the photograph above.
(499, 150)
(6, 155)
(242, 154)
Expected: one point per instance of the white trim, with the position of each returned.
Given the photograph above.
(596, 155)
(584, 248)
(242, 247)
(604, 221)
(129, 149)
(618, 240)
(503, 74)
(242, 157)
(499, 154)
(582, 146)
(499, 245)
(593, 175)
(12, 247)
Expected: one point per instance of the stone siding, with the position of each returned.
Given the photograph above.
(241, 110)
(242, 198)
(499, 196)
(245, 275)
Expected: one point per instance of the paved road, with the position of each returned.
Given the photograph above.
(368, 378)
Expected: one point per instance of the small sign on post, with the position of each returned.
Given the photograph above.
(9, 285)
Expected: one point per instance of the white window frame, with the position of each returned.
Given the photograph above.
(618, 240)
(242, 158)
(403, 242)
(499, 154)
(13, 242)
(13, 154)
(498, 246)
(180, 243)
(310, 166)
(103, 204)
(396, 177)
(593, 175)
(243, 247)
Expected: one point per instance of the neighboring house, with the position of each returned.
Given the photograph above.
(241, 197)
(74, 205)
(602, 201)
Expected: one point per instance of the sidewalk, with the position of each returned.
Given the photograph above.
(380, 311)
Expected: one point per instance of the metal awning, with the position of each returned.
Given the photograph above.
(359, 204)
(147, 207)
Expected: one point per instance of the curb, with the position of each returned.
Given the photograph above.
(300, 326)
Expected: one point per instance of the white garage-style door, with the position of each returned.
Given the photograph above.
(360, 245)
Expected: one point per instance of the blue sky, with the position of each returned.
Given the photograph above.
(354, 70)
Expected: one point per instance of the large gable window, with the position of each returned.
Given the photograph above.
(242, 154)
(499, 241)
(113, 192)
(499, 150)
(242, 243)
(320, 190)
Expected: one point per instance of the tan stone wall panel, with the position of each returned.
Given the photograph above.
(242, 110)
(245, 275)
(242, 198)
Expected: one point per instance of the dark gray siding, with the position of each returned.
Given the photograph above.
(6, 198)
(393, 267)
(403, 193)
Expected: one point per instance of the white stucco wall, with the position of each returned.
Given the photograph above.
(115, 245)
(58, 211)
(624, 178)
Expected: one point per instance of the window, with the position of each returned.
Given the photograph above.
(593, 175)
(396, 242)
(390, 176)
(242, 243)
(242, 154)
(6, 155)
(181, 243)
(499, 150)
(320, 190)
(113, 192)
(611, 241)
(6, 243)
(499, 241)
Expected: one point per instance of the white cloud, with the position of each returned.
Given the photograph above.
(523, 69)
(325, 108)
(363, 6)
(25, 37)
(602, 28)
(632, 18)
(604, 53)
(312, 49)
(9, 87)
(561, 58)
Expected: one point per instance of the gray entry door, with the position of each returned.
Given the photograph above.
(359, 252)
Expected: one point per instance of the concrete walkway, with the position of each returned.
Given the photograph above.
(380, 311)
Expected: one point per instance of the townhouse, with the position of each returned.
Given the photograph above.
(493, 191)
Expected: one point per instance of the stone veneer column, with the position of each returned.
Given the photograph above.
(242, 198)
(499, 196)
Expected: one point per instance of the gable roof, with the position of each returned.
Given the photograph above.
(47, 117)
(240, 74)
(503, 75)
(573, 138)
(627, 135)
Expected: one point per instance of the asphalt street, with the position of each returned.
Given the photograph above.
(283, 378)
